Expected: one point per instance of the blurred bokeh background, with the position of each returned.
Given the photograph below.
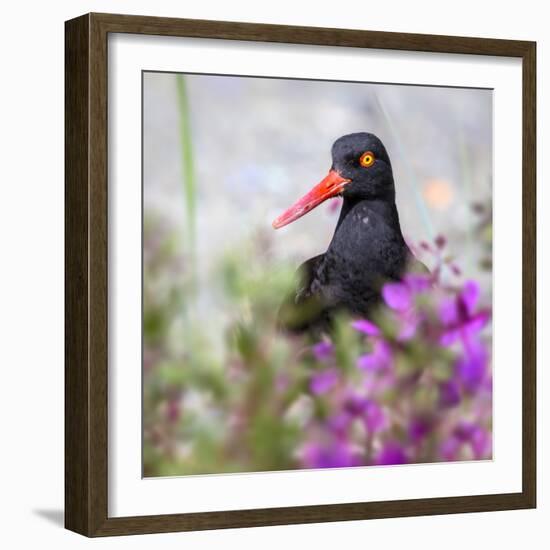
(222, 157)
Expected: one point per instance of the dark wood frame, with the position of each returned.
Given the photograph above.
(86, 285)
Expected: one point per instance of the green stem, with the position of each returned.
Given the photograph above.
(188, 166)
(189, 179)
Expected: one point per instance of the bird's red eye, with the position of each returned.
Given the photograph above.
(366, 159)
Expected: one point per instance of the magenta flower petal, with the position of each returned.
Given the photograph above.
(425, 246)
(323, 381)
(375, 418)
(339, 423)
(477, 322)
(449, 394)
(409, 322)
(417, 283)
(397, 296)
(392, 453)
(481, 443)
(379, 359)
(322, 350)
(463, 431)
(449, 337)
(419, 428)
(368, 362)
(440, 241)
(334, 454)
(449, 448)
(477, 437)
(448, 312)
(470, 295)
(366, 327)
(356, 405)
(472, 366)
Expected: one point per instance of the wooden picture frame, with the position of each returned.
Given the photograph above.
(86, 282)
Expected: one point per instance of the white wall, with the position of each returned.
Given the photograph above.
(31, 289)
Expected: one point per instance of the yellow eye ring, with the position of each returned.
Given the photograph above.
(367, 159)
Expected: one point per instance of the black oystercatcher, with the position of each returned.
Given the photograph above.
(367, 249)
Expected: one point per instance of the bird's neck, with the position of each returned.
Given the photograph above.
(384, 207)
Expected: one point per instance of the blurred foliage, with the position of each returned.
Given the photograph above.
(384, 391)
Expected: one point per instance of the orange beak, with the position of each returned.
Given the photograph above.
(329, 187)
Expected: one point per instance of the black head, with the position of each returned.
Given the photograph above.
(360, 170)
(363, 159)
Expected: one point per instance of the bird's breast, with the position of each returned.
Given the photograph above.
(365, 251)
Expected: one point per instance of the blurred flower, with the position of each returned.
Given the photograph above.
(366, 410)
(366, 327)
(323, 381)
(333, 454)
(472, 364)
(421, 389)
(459, 317)
(440, 242)
(375, 418)
(379, 359)
(470, 434)
(400, 296)
(391, 453)
(449, 448)
(322, 350)
(449, 394)
(419, 427)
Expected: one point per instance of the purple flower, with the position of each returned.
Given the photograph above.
(356, 405)
(464, 431)
(369, 411)
(375, 419)
(323, 381)
(359, 407)
(467, 433)
(419, 428)
(391, 453)
(397, 296)
(409, 322)
(449, 394)
(440, 241)
(449, 448)
(366, 327)
(323, 350)
(459, 317)
(334, 454)
(418, 283)
(379, 359)
(471, 367)
(456, 270)
(400, 296)
(481, 443)
(339, 423)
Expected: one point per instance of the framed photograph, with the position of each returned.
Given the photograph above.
(300, 274)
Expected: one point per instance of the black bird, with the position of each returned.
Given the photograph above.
(367, 249)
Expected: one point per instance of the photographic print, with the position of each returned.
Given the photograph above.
(316, 272)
